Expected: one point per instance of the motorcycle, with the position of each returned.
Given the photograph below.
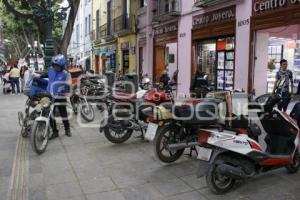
(230, 155)
(79, 99)
(32, 90)
(41, 130)
(174, 128)
(127, 113)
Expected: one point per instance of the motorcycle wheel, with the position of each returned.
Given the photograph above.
(39, 137)
(116, 137)
(165, 136)
(87, 112)
(294, 167)
(217, 183)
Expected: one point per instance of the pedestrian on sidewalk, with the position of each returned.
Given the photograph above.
(59, 86)
(282, 85)
(22, 81)
(14, 76)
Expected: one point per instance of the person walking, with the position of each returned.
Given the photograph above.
(14, 76)
(22, 81)
(59, 86)
(282, 85)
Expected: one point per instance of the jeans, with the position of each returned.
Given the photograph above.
(15, 82)
(63, 113)
(283, 105)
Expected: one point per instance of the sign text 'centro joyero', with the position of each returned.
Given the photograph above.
(214, 17)
(260, 6)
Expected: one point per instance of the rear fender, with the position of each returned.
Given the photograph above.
(204, 165)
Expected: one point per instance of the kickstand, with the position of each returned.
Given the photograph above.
(142, 135)
(191, 151)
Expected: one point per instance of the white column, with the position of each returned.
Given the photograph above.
(261, 63)
(243, 14)
(184, 54)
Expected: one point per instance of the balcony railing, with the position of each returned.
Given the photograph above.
(165, 9)
(207, 3)
(124, 24)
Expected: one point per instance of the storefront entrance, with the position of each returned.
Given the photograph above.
(275, 35)
(214, 47)
(215, 58)
(165, 50)
(125, 59)
(271, 46)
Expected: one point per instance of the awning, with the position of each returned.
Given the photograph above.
(3, 59)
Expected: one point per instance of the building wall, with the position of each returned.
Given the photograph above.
(243, 12)
(132, 53)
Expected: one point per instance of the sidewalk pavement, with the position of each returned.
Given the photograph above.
(88, 167)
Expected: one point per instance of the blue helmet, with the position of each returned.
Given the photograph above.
(59, 60)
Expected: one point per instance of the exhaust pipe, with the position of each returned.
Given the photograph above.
(232, 172)
(179, 146)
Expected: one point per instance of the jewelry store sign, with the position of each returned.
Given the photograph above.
(264, 6)
(209, 18)
(168, 28)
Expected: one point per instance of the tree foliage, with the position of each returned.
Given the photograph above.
(22, 26)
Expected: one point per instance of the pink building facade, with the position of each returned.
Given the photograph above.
(237, 43)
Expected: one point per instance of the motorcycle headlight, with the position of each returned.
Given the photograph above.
(45, 102)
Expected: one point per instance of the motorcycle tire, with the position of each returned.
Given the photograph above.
(38, 133)
(87, 112)
(158, 141)
(212, 182)
(116, 138)
(294, 168)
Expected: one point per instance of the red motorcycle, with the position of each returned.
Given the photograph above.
(127, 113)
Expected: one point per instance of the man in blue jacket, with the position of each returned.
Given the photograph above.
(58, 87)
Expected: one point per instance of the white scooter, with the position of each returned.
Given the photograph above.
(231, 155)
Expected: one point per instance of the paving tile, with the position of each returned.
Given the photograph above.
(126, 180)
(172, 187)
(59, 176)
(97, 185)
(115, 195)
(4, 183)
(141, 192)
(36, 180)
(232, 195)
(37, 193)
(194, 181)
(64, 190)
(194, 195)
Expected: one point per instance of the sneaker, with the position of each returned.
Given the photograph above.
(68, 133)
(54, 135)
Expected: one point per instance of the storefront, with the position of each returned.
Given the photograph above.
(165, 49)
(105, 58)
(275, 31)
(213, 47)
(127, 54)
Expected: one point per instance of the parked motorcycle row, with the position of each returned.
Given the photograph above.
(228, 148)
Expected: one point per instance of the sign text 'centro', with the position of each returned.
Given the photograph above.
(213, 17)
(166, 29)
(261, 6)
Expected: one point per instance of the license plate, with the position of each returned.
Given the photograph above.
(151, 131)
(204, 153)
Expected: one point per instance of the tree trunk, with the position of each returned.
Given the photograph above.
(69, 29)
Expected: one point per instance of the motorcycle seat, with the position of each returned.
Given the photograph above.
(123, 95)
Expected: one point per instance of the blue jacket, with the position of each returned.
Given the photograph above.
(58, 82)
